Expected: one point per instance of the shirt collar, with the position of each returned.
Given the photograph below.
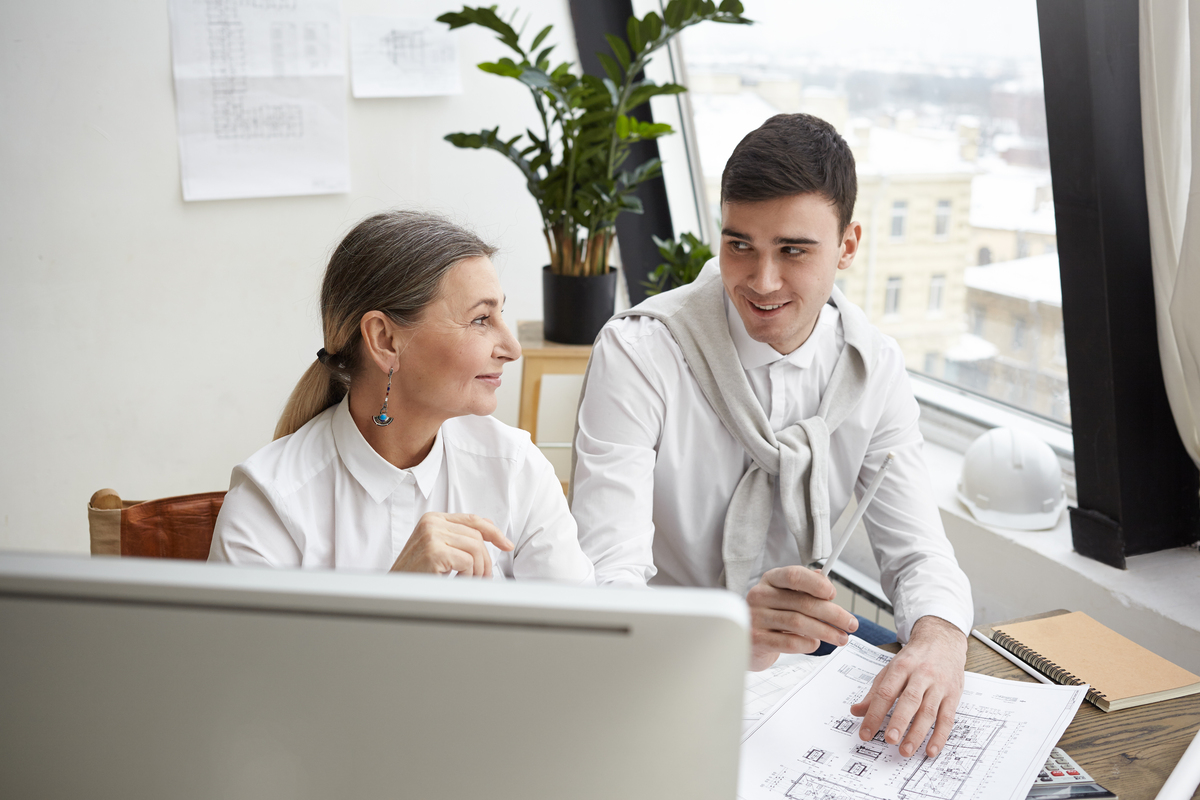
(379, 477)
(755, 354)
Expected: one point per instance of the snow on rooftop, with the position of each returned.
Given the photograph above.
(722, 120)
(1035, 278)
(915, 152)
(1008, 199)
(972, 348)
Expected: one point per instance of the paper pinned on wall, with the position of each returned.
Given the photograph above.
(403, 57)
(260, 95)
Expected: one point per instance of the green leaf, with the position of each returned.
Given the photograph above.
(731, 7)
(619, 49)
(651, 27)
(541, 37)
(545, 54)
(505, 67)
(646, 89)
(610, 67)
(633, 32)
(613, 92)
(622, 126)
(486, 18)
(673, 14)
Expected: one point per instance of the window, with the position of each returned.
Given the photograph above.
(941, 219)
(975, 320)
(952, 161)
(937, 287)
(891, 301)
(899, 215)
(1018, 334)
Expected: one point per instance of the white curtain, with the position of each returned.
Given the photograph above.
(1169, 43)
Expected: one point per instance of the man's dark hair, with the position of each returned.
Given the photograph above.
(792, 154)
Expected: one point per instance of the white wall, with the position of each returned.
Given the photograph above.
(149, 344)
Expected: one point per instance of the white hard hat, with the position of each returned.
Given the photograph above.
(1012, 479)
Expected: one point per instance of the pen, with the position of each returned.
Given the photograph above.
(1011, 657)
(858, 512)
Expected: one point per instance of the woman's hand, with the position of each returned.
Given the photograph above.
(444, 542)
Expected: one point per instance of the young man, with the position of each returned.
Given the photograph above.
(724, 423)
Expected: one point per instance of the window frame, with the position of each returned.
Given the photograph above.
(900, 206)
(939, 217)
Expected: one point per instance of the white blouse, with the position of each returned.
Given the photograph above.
(656, 468)
(322, 497)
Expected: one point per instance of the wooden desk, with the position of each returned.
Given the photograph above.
(543, 358)
(1130, 752)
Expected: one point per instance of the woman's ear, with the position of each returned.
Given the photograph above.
(382, 340)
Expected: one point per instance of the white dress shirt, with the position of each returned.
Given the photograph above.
(322, 497)
(656, 468)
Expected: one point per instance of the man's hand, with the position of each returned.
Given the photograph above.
(444, 542)
(792, 611)
(925, 681)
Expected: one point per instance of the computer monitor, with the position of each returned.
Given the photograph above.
(142, 678)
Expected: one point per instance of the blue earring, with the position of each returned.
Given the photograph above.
(382, 419)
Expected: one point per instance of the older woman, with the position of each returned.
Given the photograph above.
(384, 458)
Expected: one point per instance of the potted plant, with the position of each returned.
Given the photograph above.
(576, 167)
(683, 261)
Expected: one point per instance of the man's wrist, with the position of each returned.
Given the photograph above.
(931, 626)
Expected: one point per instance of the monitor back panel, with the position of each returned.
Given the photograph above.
(256, 692)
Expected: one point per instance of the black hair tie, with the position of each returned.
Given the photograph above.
(323, 356)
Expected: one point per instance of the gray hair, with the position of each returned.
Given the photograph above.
(392, 262)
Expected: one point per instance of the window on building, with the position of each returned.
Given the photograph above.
(937, 288)
(941, 219)
(975, 320)
(1018, 334)
(985, 256)
(899, 217)
(891, 300)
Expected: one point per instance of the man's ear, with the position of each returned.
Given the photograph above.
(382, 340)
(851, 239)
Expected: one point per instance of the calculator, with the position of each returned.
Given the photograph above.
(1063, 778)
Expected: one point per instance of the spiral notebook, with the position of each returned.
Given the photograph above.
(1072, 648)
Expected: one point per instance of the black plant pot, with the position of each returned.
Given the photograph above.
(575, 309)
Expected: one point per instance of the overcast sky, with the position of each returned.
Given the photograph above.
(929, 30)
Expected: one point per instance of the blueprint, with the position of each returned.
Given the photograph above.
(807, 747)
(403, 57)
(260, 97)
(765, 689)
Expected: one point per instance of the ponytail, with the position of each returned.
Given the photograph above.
(317, 390)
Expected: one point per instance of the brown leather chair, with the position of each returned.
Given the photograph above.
(173, 527)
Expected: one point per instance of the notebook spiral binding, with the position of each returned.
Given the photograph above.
(1044, 665)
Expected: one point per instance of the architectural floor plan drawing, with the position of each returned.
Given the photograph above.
(766, 688)
(808, 746)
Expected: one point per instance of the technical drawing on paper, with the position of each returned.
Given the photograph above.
(943, 777)
(811, 787)
(867, 751)
(764, 689)
(817, 755)
(845, 724)
(808, 747)
(403, 57)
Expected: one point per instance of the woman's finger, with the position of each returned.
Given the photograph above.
(481, 559)
(486, 528)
